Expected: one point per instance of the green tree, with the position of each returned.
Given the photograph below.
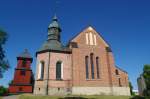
(146, 75)
(131, 88)
(3, 61)
(3, 91)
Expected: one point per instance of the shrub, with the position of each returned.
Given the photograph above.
(3, 91)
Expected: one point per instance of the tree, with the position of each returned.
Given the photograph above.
(146, 75)
(3, 91)
(131, 88)
(4, 65)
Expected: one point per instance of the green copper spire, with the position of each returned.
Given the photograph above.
(54, 23)
(54, 30)
(53, 42)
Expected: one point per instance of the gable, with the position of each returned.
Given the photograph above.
(89, 37)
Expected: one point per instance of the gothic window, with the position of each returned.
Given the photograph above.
(117, 72)
(58, 70)
(92, 65)
(41, 70)
(23, 72)
(86, 67)
(97, 67)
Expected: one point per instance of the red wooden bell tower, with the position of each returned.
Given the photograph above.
(23, 77)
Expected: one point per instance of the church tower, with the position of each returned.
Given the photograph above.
(53, 64)
(53, 41)
(23, 76)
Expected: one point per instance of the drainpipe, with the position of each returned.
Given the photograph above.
(108, 50)
(47, 81)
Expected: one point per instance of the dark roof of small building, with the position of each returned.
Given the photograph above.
(25, 54)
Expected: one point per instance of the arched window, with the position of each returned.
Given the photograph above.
(41, 70)
(86, 67)
(58, 70)
(117, 72)
(97, 67)
(92, 65)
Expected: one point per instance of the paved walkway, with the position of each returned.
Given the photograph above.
(11, 97)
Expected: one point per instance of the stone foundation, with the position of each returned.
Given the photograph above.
(101, 91)
(52, 91)
(121, 91)
(40, 91)
(125, 91)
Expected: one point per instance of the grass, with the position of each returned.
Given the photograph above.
(27, 96)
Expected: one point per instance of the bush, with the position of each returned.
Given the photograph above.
(140, 97)
(3, 91)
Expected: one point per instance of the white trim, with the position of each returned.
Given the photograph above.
(91, 38)
(87, 38)
(62, 70)
(39, 70)
(95, 43)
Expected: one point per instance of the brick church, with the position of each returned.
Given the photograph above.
(84, 67)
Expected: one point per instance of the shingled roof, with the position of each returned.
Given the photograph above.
(25, 54)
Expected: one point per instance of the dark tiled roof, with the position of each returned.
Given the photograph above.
(25, 54)
(53, 45)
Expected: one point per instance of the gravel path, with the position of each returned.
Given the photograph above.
(11, 97)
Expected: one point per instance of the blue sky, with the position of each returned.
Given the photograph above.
(125, 24)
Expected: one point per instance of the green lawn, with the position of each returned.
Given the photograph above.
(72, 97)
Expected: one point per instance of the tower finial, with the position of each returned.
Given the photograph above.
(55, 17)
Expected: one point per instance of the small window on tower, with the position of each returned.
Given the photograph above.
(23, 72)
(23, 63)
(20, 88)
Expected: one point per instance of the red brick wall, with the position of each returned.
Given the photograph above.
(15, 89)
(106, 63)
(22, 79)
(27, 65)
(22, 82)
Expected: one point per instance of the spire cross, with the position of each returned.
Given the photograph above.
(56, 6)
